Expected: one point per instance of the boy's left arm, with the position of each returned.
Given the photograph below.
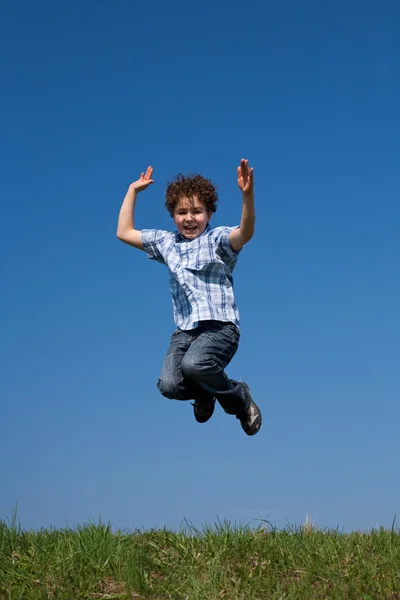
(240, 236)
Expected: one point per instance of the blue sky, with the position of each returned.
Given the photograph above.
(92, 93)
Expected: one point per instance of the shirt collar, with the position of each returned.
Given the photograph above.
(181, 238)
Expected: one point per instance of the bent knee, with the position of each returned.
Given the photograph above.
(170, 389)
(166, 388)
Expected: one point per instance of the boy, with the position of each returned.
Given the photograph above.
(200, 262)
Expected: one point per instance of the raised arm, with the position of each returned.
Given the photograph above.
(240, 236)
(126, 231)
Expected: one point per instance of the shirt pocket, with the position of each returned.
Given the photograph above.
(204, 259)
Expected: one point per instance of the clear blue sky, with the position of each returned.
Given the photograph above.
(93, 92)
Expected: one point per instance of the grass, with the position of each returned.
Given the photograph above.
(222, 562)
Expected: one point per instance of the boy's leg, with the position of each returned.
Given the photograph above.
(172, 382)
(205, 360)
(204, 363)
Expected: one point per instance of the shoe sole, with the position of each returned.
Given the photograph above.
(258, 419)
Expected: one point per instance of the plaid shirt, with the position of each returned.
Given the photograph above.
(200, 273)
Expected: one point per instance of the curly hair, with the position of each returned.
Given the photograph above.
(193, 185)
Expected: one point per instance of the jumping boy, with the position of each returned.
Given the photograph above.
(200, 262)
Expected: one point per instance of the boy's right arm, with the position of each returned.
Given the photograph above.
(126, 231)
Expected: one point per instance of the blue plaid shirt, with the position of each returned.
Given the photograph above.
(200, 272)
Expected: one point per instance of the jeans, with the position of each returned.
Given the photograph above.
(194, 367)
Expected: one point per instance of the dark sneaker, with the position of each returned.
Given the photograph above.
(252, 419)
(203, 412)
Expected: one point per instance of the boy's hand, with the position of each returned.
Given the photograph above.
(143, 182)
(245, 177)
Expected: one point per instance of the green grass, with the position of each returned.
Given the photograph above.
(222, 562)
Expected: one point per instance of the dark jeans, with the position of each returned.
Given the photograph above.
(195, 363)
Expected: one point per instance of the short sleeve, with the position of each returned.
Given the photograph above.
(224, 248)
(152, 240)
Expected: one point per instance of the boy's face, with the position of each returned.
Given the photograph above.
(191, 217)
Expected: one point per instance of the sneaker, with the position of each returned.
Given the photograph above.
(251, 419)
(203, 412)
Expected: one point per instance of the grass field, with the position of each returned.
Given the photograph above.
(219, 562)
